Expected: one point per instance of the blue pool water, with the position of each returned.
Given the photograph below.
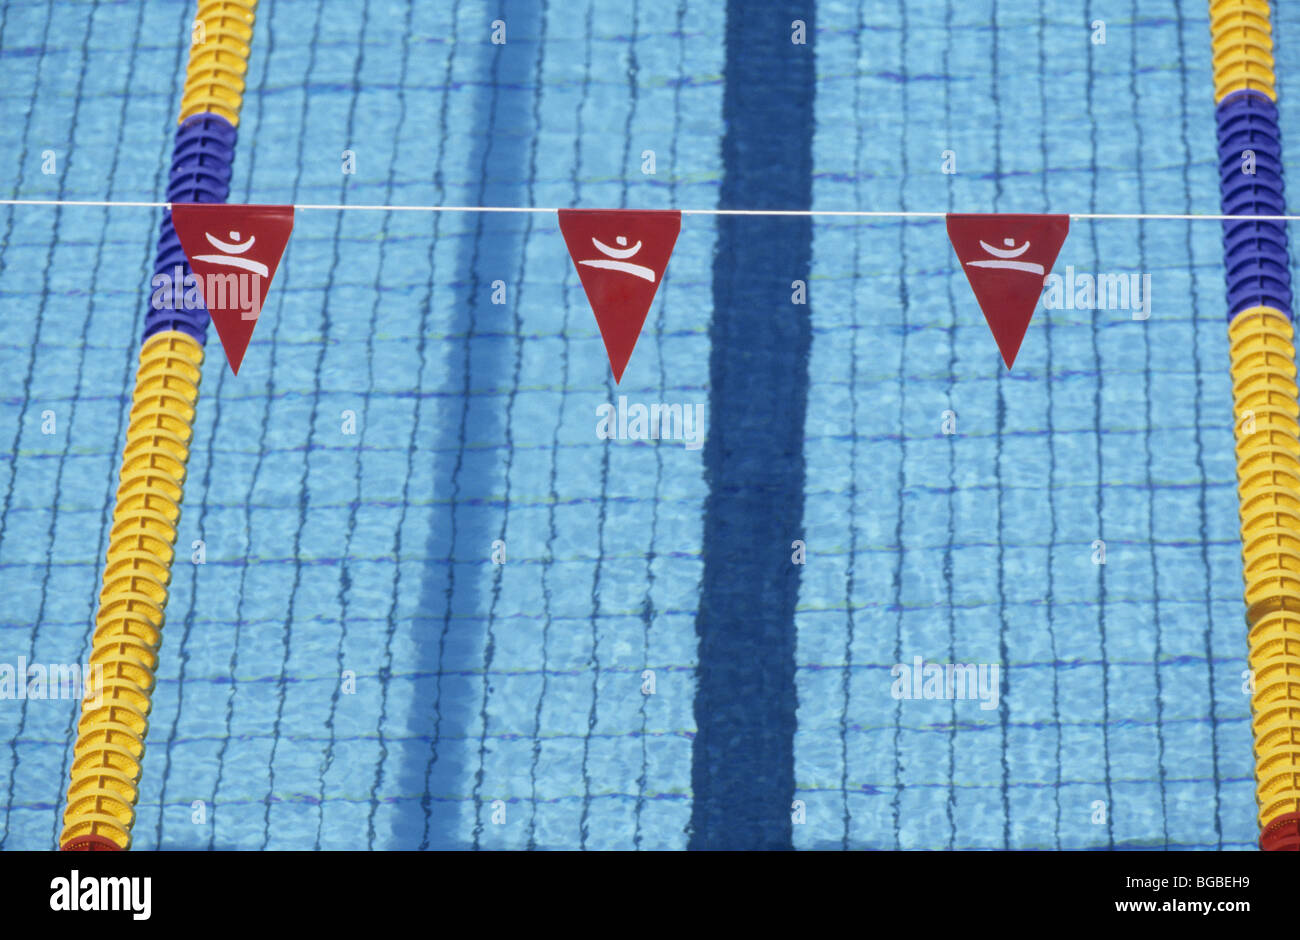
(371, 553)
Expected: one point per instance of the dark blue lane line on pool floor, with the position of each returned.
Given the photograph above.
(743, 759)
(437, 758)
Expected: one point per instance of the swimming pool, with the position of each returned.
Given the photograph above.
(967, 537)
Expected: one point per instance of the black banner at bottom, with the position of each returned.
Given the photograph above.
(385, 889)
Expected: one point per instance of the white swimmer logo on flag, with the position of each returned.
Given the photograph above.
(231, 258)
(620, 278)
(636, 270)
(1005, 255)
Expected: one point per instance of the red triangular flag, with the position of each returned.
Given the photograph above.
(621, 256)
(1006, 259)
(234, 251)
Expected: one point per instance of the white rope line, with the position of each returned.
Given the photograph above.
(834, 213)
